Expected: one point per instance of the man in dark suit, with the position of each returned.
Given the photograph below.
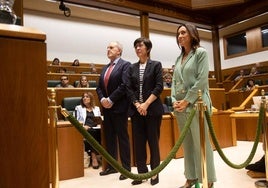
(111, 91)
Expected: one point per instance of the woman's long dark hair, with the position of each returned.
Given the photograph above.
(92, 101)
(194, 35)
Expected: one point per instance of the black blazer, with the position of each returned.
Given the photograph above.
(116, 87)
(152, 83)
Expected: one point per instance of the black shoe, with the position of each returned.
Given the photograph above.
(155, 180)
(122, 177)
(259, 166)
(108, 171)
(136, 182)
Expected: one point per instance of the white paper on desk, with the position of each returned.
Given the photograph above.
(257, 101)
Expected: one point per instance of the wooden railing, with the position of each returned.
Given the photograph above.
(73, 77)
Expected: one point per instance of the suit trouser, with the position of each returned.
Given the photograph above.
(146, 129)
(116, 134)
(192, 149)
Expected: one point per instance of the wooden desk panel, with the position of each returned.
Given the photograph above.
(218, 98)
(74, 69)
(70, 151)
(212, 82)
(224, 130)
(246, 125)
(23, 131)
(176, 135)
(167, 140)
(236, 98)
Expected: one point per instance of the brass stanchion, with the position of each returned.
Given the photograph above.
(201, 109)
(53, 149)
(264, 183)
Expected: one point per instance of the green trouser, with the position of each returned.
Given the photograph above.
(192, 149)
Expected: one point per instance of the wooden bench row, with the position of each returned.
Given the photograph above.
(73, 77)
(72, 69)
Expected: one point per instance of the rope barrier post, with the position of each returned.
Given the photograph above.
(53, 149)
(264, 183)
(201, 109)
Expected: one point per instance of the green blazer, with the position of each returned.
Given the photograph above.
(190, 77)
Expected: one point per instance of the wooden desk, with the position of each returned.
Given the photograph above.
(224, 130)
(245, 124)
(70, 151)
(23, 131)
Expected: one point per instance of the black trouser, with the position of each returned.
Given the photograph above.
(96, 134)
(146, 129)
(116, 133)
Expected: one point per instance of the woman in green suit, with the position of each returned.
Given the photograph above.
(190, 75)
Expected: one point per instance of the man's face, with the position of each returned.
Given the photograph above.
(64, 81)
(113, 51)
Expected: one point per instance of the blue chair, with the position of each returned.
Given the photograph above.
(70, 103)
(53, 83)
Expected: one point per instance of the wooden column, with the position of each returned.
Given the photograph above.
(216, 52)
(23, 129)
(144, 24)
(18, 9)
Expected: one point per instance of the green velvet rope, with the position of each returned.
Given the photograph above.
(114, 162)
(254, 148)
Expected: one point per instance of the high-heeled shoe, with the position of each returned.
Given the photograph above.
(137, 182)
(155, 180)
(210, 185)
(189, 183)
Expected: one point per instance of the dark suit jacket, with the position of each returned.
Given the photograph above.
(152, 83)
(116, 88)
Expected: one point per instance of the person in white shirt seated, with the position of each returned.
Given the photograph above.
(86, 113)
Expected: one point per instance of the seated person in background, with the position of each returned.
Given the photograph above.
(64, 82)
(258, 166)
(61, 70)
(93, 70)
(76, 62)
(241, 74)
(167, 80)
(83, 82)
(85, 112)
(250, 85)
(55, 61)
(253, 71)
(165, 71)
